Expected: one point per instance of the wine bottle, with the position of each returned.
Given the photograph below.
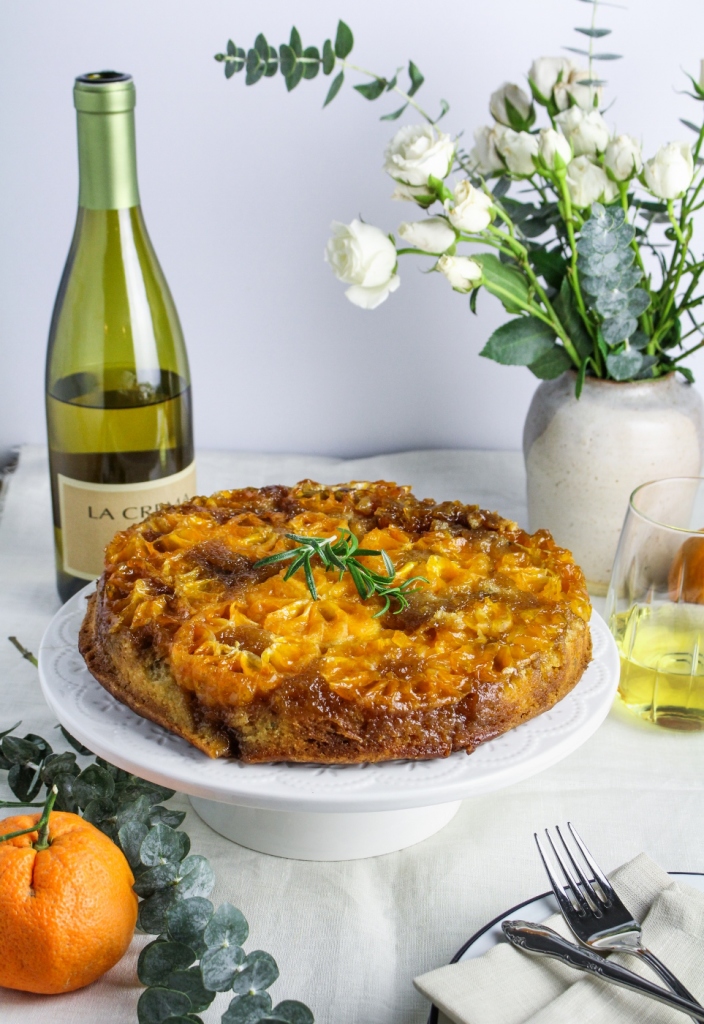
(118, 395)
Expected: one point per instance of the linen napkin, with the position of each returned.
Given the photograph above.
(506, 986)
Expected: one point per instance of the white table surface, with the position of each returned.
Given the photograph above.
(349, 937)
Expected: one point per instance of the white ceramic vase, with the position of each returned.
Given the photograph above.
(584, 457)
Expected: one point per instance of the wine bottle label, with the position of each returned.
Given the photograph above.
(91, 514)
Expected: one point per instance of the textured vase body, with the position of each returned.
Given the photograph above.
(584, 457)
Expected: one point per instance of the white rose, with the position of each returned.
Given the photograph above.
(471, 210)
(365, 258)
(416, 152)
(572, 91)
(553, 145)
(587, 131)
(588, 183)
(517, 99)
(545, 72)
(670, 171)
(518, 150)
(410, 193)
(432, 235)
(462, 272)
(485, 156)
(623, 157)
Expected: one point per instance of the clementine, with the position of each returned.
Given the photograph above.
(686, 577)
(67, 908)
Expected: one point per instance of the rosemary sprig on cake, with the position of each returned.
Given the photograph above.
(342, 553)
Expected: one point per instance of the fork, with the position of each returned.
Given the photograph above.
(592, 909)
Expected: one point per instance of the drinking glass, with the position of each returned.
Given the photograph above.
(655, 603)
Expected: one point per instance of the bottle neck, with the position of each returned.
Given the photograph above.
(107, 160)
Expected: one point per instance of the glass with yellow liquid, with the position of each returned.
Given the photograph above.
(655, 604)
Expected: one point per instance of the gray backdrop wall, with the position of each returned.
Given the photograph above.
(239, 186)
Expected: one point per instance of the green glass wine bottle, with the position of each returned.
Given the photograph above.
(118, 395)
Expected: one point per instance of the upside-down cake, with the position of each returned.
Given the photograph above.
(189, 631)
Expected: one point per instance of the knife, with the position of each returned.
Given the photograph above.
(537, 938)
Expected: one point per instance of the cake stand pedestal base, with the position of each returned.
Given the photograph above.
(317, 835)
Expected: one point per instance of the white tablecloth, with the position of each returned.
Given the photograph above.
(349, 937)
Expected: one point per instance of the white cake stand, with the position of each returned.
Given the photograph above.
(316, 812)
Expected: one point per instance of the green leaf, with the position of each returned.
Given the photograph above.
(231, 49)
(58, 764)
(505, 282)
(153, 912)
(344, 40)
(395, 115)
(228, 926)
(166, 816)
(416, 78)
(197, 878)
(131, 836)
(372, 90)
(261, 46)
(18, 751)
(551, 364)
(154, 879)
(295, 77)
(295, 42)
(519, 342)
(248, 1009)
(294, 1012)
(41, 744)
(688, 124)
(24, 781)
(624, 365)
(258, 973)
(334, 88)
(94, 783)
(271, 63)
(607, 56)
(187, 921)
(550, 265)
(191, 982)
(133, 810)
(581, 374)
(163, 845)
(219, 967)
(311, 70)
(594, 33)
(64, 801)
(687, 374)
(328, 58)
(255, 67)
(287, 60)
(158, 1004)
(159, 959)
(565, 305)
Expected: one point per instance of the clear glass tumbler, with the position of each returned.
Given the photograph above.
(655, 603)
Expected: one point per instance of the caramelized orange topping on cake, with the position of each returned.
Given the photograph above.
(185, 584)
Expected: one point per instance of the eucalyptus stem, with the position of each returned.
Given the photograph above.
(27, 655)
(395, 88)
(566, 203)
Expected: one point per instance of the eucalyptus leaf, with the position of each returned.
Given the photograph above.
(162, 845)
(133, 810)
(131, 836)
(57, 764)
(257, 973)
(551, 364)
(247, 1009)
(519, 342)
(187, 921)
(261, 46)
(624, 365)
(344, 40)
(394, 115)
(638, 301)
(618, 329)
(686, 373)
(272, 63)
(372, 90)
(565, 305)
(197, 878)
(228, 926)
(311, 70)
(191, 982)
(295, 42)
(328, 57)
(19, 751)
(156, 878)
(153, 911)
(594, 33)
(93, 783)
(167, 816)
(64, 799)
(159, 959)
(231, 49)
(550, 264)
(219, 967)
(293, 1012)
(416, 78)
(287, 60)
(295, 77)
(334, 88)
(76, 744)
(157, 1005)
(25, 781)
(40, 744)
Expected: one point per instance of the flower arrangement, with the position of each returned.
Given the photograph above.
(574, 254)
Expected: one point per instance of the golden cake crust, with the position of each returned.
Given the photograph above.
(187, 631)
